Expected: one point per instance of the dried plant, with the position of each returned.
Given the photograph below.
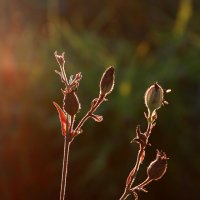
(71, 106)
(154, 99)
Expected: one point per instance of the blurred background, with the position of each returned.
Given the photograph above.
(146, 41)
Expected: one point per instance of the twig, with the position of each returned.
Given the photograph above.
(71, 107)
(90, 112)
(133, 173)
(154, 99)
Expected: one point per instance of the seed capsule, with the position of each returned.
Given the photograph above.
(158, 167)
(154, 97)
(71, 103)
(107, 81)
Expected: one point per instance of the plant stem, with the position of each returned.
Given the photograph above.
(64, 168)
(125, 195)
(88, 114)
(137, 165)
(127, 191)
(144, 183)
(67, 143)
(133, 173)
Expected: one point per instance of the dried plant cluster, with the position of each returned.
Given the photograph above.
(154, 99)
(71, 106)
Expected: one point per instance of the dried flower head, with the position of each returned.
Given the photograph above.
(158, 167)
(154, 97)
(107, 81)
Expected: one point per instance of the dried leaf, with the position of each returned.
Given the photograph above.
(97, 118)
(63, 119)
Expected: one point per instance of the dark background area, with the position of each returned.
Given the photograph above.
(146, 41)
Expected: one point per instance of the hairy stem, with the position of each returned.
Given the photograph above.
(64, 168)
(144, 183)
(125, 195)
(137, 165)
(133, 173)
(89, 114)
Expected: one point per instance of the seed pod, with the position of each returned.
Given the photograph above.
(154, 97)
(71, 103)
(158, 167)
(107, 81)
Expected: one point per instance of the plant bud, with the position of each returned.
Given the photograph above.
(71, 103)
(154, 97)
(107, 81)
(158, 167)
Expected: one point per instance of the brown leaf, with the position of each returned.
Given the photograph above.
(63, 119)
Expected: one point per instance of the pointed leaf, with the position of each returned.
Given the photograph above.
(97, 118)
(63, 119)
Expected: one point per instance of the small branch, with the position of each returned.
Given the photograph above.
(133, 174)
(90, 112)
(149, 128)
(137, 165)
(141, 185)
(61, 61)
(64, 168)
(154, 99)
(125, 195)
(72, 119)
(135, 169)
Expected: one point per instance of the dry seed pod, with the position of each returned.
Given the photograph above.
(154, 97)
(107, 81)
(71, 103)
(158, 167)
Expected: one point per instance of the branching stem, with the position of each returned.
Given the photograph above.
(90, 112)
(128, 191)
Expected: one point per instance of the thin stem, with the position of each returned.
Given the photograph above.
(64, 168)
(64, 74)
(89, 113)
(62, 67)
(128, 192)
(137, 165)
(144, 183)
(125, 195)
(148, 131)
(133, 173)
(72, 119)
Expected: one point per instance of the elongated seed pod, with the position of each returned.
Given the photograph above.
(107, 81)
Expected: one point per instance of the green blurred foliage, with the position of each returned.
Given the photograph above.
(146, 42)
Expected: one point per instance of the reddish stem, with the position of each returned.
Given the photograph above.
(67, 141)
(90, 112)
(64, 168)
(133, 173)
(141, 185)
